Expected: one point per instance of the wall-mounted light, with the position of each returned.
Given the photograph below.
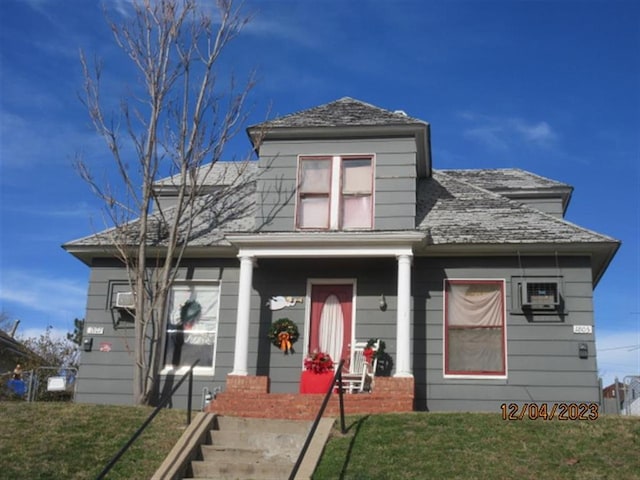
(87, 344)
(383, 303)
(583, 350)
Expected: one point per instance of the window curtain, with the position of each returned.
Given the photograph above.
(475, 328)
(356, 212)
(332, 328)
(313, 212)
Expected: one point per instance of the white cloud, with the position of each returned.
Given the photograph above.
(618, 354)
(491, 136)
(505, 133)
(535, 132)
(80, 210)
(56, 299)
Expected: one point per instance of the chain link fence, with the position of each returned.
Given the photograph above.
(42, 384)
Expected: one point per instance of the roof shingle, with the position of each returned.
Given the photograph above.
(458, 212)
(345, 112)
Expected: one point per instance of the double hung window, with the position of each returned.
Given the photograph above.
(192, 325)
(335, 192)
(474, 324)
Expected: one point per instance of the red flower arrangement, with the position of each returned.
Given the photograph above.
(318, 362)
(369, 353)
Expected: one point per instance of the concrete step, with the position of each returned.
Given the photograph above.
(258, 470)
(251, 448)
(271, 443)
(213, 453)
(263, 425)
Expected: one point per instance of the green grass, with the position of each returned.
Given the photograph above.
(482, 446)
(73, 442)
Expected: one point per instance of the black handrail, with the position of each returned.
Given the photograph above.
(337, 378)
(155, 412)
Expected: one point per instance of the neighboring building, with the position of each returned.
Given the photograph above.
(613, 397)
(12, 352)
(480, 289)
(615, 390)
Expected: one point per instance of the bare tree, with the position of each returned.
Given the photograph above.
(177, 122)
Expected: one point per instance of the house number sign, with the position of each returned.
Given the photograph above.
(582, 329)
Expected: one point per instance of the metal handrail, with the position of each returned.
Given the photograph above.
(155, 412)
(337, 378)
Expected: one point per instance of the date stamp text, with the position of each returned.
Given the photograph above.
(550, 411)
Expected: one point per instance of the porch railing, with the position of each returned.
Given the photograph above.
(161, 405)
(337, 380)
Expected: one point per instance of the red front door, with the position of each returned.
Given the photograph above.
(331, 318)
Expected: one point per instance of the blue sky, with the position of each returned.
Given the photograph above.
(547, 86)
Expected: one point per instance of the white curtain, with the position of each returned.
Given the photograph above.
(475, 328)
(475, 305)
(356, 211)
(313, 212)
(331, 328)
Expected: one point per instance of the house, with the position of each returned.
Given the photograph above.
(12, 352)
(480, 289)
(613, 397)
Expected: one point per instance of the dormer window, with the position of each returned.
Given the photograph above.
(335, 192)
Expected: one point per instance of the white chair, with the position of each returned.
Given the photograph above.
(361, 373)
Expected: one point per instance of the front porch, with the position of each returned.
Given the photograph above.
(249, 396)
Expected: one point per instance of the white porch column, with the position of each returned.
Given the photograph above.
(241, 352)
(403, 323)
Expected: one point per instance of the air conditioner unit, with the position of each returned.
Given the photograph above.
(125, 300)
(540, 295)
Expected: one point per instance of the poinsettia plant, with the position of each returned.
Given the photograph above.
(370, 352)
(318, 362)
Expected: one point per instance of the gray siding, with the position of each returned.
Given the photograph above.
(395, 180)
(542, 350)
(552, 206)
(107, 377)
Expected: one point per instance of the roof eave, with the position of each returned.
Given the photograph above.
(601, 253)
(87, 253)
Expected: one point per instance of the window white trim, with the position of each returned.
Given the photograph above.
(199, 370)
(473, 375)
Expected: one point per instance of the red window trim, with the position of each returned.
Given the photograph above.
(301, 158)
(503, 371)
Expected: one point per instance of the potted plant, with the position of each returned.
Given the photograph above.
(318, 373)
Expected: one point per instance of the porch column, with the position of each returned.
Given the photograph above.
(241, 352)
(403, 323)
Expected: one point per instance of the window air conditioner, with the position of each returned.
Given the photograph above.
(540, 295)
(125, 300)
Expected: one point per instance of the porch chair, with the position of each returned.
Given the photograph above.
(361, 374)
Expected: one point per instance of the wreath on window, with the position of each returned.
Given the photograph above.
(283, 334)
(189, 313)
